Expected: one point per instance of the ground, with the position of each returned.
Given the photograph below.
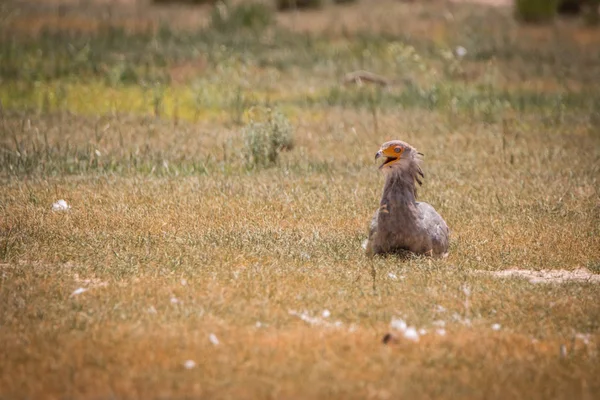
(176, 269)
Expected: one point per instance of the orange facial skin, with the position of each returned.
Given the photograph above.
(392, 154)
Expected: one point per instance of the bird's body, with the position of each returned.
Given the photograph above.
(401, 223)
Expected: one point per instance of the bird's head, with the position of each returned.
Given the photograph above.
(398, 155)
(400, 158)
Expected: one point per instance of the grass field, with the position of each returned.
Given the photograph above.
(184, 270)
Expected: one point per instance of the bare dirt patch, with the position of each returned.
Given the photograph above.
(549, 276)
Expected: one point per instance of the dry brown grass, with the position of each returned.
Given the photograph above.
(175, 240)
(253, 247)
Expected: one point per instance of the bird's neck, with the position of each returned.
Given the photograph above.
(399, 189)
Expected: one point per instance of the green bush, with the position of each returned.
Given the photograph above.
(254, 16)
(344, 1)
(536, 10)
(298, 4)
(265, 140)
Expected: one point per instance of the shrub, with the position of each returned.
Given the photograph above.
(344, 1)
(265, 140)
(298, 4)
(254, 16)
(536, 10)
(591, 12)
(569, 6)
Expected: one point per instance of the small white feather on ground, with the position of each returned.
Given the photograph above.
(78, 291)
(318, 320)
(213, 339)
(409, 332)
(60, 205)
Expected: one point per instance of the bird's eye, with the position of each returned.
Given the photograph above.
(397, 149)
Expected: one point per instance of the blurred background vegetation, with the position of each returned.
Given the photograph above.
(215, 61)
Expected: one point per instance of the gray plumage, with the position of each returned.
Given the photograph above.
(401, 223)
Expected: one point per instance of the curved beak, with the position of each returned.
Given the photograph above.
(378, 154)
